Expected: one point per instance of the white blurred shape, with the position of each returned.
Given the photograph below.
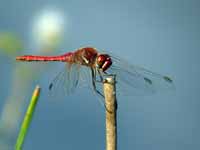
(48, 28)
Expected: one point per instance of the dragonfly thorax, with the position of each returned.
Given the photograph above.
(103, 62)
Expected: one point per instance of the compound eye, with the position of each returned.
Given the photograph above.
(100, 60)
(107, 64)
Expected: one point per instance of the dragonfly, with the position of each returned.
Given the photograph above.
(130, 78)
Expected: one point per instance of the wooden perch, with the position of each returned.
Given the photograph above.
(111, 113)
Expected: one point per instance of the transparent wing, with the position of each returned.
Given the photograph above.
(71, 77)
(66, 81)
(136, 80)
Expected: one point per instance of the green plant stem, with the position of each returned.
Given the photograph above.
(27, 119)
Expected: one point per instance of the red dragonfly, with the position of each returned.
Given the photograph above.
(134, 79)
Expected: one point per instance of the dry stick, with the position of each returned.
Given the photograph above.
(111, 113)
(27, 119)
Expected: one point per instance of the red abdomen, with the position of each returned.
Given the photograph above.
(64, 58)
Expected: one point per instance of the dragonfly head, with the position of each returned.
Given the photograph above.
(103, 62)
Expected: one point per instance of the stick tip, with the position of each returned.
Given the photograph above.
(110, 79)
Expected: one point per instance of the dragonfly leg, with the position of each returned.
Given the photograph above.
(97, 91)
(108, 74)
(94, 84)
(100, 75)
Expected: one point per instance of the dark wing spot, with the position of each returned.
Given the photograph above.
(168, 79)
(50, 86)
(147, 80)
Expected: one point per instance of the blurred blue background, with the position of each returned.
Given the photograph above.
(160, 35)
